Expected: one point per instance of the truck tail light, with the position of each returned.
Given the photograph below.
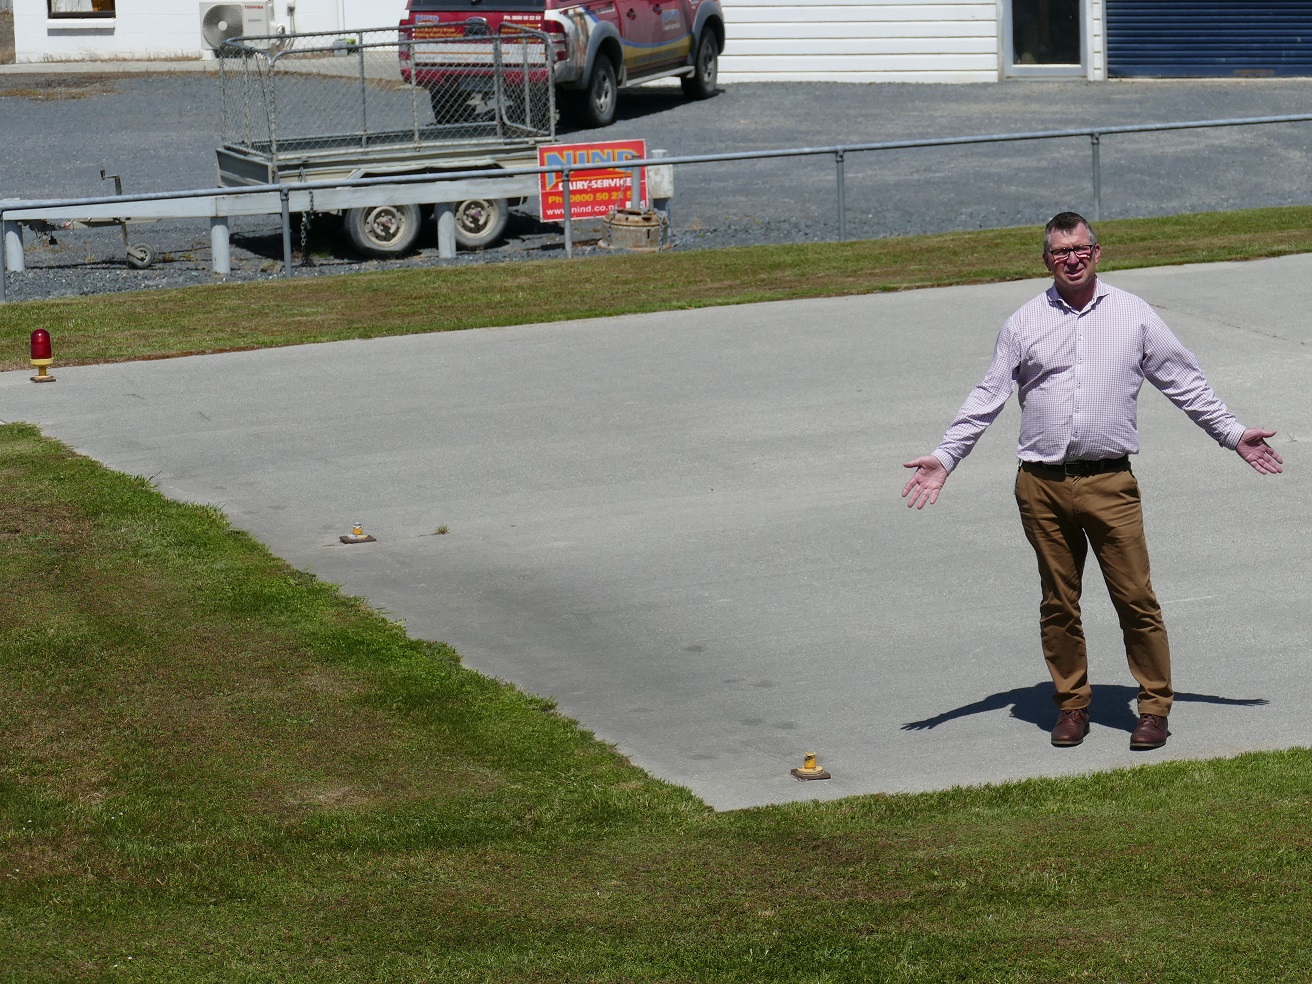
(559, 43)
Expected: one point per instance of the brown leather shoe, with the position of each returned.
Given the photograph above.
(1071, 728)
(1151, 733)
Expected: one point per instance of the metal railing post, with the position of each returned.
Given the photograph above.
(842, 196)
(414, 91)
(499, 88)
(4, 255)
(364, 95)
(271, 65)
(1095, 140)
(569, 223)
(284, 198)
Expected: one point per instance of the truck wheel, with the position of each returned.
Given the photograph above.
(383, 230)
(701, 84)
(481, 221)
(597, 105)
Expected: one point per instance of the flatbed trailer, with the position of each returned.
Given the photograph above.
(333, 106)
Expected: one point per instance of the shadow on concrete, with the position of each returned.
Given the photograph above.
(1113, 706)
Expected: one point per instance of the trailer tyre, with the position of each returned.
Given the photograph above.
(383, 230)
(481, 221)
(140, 256)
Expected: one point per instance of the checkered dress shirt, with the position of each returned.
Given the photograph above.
(1079, 374)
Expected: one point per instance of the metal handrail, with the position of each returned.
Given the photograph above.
(838, 152)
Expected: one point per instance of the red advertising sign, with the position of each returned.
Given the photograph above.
(595, 185)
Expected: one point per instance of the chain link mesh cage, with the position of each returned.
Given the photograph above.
(385, 87)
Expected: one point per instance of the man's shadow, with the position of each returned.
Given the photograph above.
(1112, 706)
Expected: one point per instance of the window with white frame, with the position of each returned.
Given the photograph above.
(80, 8)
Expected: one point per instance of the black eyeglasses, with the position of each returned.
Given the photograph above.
(1083, 252)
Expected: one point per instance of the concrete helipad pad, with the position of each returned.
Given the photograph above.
(687, 527)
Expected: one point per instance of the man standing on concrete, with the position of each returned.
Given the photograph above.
(1079, 353)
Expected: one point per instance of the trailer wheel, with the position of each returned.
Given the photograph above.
(481, 221)
(383, 230)
(140, 256)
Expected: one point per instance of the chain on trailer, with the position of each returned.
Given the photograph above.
(305, 232)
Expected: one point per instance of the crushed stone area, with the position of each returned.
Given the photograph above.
(163, 130)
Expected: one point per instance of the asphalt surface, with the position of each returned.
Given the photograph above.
(165, 129)
(686, 527)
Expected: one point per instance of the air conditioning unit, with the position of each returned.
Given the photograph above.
(221, 22)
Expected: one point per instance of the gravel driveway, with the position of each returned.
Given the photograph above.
(160, 131)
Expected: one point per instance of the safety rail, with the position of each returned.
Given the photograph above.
(454, 186)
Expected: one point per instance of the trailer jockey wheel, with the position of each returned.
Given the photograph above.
(140, 256)
(481, 221)
(383, 230)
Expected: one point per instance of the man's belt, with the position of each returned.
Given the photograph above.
(1099, 466)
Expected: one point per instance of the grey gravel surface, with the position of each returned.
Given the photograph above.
(159, 131)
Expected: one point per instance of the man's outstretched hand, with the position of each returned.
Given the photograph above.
(1252, 447)
(927, 482)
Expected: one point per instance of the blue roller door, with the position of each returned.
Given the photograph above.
(1201, 38)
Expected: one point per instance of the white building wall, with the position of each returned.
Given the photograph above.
(861, 41)
(153, 29)
(345, 15)
(768, 40)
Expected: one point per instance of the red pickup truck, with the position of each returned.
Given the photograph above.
(598, 47)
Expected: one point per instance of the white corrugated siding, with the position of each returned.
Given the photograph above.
(860, 41)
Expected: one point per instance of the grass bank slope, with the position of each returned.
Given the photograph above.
(216, 768)
(227, 317)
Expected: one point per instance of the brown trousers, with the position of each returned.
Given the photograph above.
(1063, 516)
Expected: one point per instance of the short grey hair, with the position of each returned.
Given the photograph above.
(1067, 222)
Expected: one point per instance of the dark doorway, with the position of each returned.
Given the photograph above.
(1045, 32)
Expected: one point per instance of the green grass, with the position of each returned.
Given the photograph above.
(216, 768)
(224, 317)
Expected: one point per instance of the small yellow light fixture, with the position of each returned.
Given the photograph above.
(810, 769)
(357, 535)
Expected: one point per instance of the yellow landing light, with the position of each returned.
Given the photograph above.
(811, 769)
(357, 535)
